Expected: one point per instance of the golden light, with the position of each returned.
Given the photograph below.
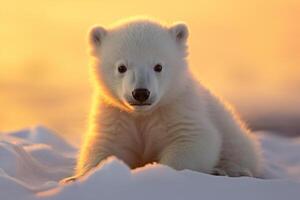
(247, 51)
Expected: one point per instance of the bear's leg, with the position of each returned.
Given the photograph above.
(199, 153)
(91, 154)
(83, 166)
(240, 155)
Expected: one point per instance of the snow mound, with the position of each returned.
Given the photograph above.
(33, 161)
(42, 135)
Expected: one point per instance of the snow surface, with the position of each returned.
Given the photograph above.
(33, 161)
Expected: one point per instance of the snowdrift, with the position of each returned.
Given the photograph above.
(33, 161)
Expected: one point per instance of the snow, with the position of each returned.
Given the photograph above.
(33, 161)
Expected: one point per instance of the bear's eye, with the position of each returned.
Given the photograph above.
(122, 69)
(158, 68)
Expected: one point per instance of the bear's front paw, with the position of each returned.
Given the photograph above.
(219, 172)
(231, 173)
(240, 172)
(246, 172)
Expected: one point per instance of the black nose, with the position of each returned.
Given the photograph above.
(141, 94)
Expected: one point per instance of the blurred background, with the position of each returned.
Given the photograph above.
(246, 51)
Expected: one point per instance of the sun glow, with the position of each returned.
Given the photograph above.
(241, 49)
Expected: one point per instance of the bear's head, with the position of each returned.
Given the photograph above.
(141, 64)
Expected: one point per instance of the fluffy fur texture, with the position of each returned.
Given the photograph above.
(183, 125)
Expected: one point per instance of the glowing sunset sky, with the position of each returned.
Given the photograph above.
(241, 49)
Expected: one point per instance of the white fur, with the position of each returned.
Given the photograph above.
(186, 127)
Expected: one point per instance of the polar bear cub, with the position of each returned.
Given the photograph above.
(148, 107)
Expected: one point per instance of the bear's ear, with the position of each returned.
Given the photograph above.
(179, 32)
(96, 36)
